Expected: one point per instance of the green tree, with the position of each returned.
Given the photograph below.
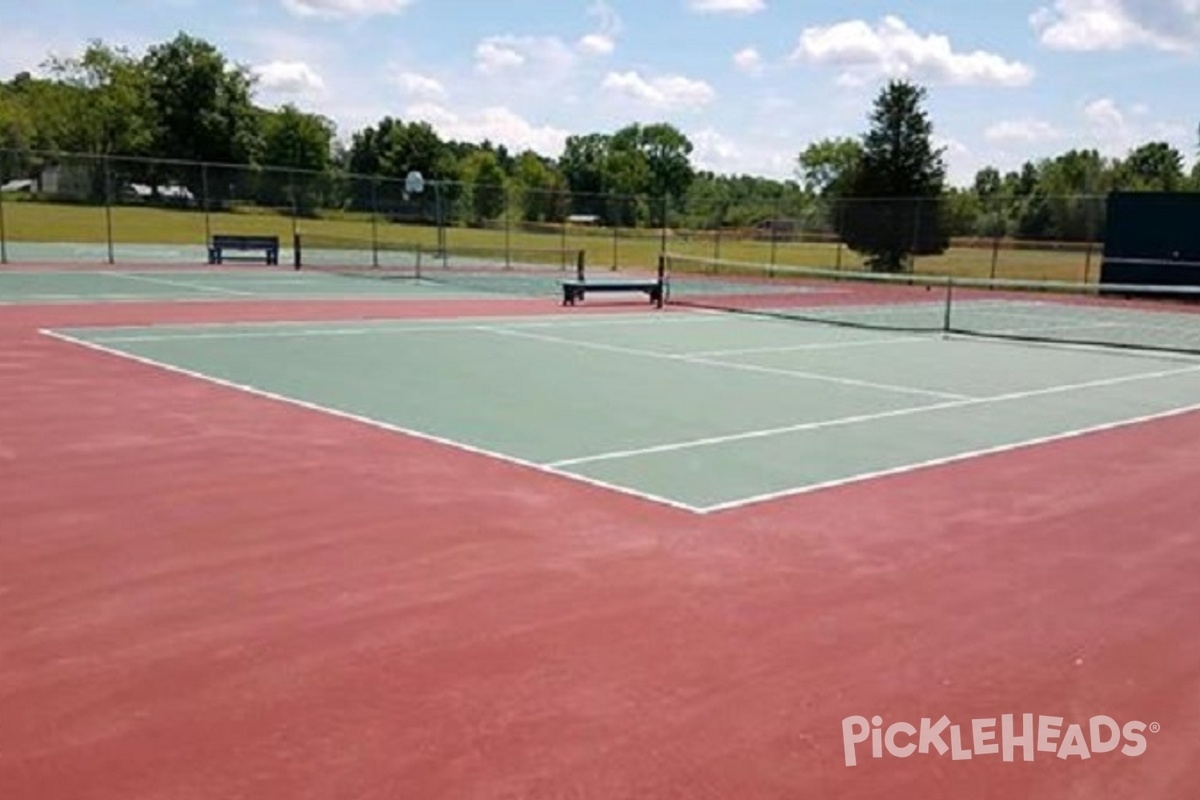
(827, 167)
(666, 152)
(301, 143)
(583, 165)
(1156, 166)
(107, 99)
(16, 134)
(541, 190)
(892, 209)
(484, 179)
(988, 182)
(292, 138)
(200, 102)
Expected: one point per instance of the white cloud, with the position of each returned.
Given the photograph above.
(289, 77)
(1021, 130)
(1104, 113)
(717, 152)
(952, 146)
(1085, 25)
(603, 41)
(667, 91)
(345, 8)
(497, 124)
(1114, 131)
(726, 6)
(494, 55)
(893, 49)
(714, 151)
(419, 86)
(597, 44)
(548, 54)
(748, 60)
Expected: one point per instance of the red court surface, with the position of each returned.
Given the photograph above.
(207, 594)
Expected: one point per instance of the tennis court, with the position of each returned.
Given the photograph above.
(704, 412)
(390, 525)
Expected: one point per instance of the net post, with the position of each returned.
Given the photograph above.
(580, 258)
(296, 260)
(417, 266)
(949, 302)
(662, 280)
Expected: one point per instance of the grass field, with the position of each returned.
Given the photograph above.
(624, 249)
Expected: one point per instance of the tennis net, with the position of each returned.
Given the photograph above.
(519, 270)
(1155, 318)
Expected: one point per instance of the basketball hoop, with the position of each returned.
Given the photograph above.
(414, 183)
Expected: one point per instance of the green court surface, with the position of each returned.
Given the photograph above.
(705, 412)
(98, 285)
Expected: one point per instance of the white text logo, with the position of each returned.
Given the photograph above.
(1005, 737)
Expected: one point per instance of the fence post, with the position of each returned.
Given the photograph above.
(916, 236)
(508, 204)
(662, 210)
(374, 221)
(108, 220)
(839, 206)
(3, 233)
(206, 203)
(562, 228)
(773, 232)
(440, 214)
(614, 219)
(1091, 238)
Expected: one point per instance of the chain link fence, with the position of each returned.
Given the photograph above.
(62, 207)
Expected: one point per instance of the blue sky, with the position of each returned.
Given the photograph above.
(750, 81)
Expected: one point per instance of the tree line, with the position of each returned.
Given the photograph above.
(1061, 198)
(183, 101)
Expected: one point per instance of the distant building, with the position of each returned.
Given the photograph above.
(72, 181)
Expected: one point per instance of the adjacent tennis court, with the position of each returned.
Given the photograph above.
(700, 411)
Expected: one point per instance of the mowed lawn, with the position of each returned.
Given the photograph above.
(606, 248)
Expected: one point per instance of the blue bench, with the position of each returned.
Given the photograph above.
(577, 290)
(269, 245)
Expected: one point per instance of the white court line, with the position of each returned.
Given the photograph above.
(689, 359)
(181, 284)
(751, 351)
(374, 423)
(947, 460)
(305, 328)
(861, 418)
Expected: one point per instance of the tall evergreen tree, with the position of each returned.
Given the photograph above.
(892, 208)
